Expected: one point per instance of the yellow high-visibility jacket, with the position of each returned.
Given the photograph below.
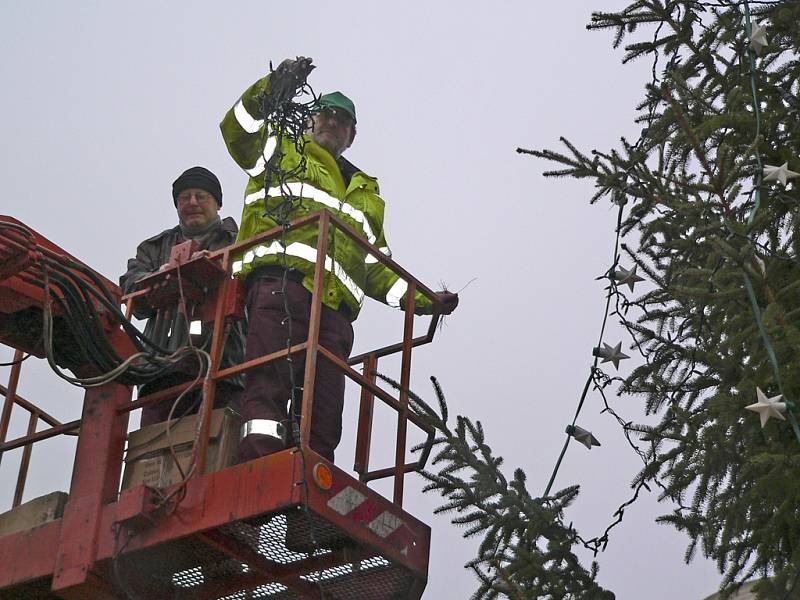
(350, 272)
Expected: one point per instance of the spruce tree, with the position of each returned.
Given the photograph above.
(708, 202)
(710, 221)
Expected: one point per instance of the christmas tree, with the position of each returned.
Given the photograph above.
(708, 199)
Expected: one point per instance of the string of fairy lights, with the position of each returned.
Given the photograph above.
(778, 406)
(285, 113)
(603, 352)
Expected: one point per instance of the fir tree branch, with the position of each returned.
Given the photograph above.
(526, 551)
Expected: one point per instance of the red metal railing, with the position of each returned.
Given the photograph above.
(313, 349)
(365, 379)
(76, 555)
(36, 414)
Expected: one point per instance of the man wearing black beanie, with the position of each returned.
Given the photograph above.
(197, 177)
(197, 196)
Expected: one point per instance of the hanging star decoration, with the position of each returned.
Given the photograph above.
(611, 354)
(627, 277)
(768, 407)
(760, 265)
(782, 173)
(581, 435)
(758, 38)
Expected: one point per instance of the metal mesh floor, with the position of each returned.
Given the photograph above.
(284, 565)
(291, 555)
(38, 589)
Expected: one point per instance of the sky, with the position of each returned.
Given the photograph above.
(105, 103)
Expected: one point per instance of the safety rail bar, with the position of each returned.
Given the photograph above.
(31, 436)
(366, 379)
(28, 246)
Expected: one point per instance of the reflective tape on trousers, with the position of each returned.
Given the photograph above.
(268, 427)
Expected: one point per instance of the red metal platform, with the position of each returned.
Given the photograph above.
(228, 538)
(271, 528)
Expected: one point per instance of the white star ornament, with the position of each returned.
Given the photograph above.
(611, 354)
(627, 277)
(782, 173)
(768, 407)
(758, 38)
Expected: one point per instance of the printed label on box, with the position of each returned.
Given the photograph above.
(184, 455)
(152, 469)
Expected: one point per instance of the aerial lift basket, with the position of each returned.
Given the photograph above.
(287, 525)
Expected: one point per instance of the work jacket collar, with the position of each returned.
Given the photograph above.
(342, 170)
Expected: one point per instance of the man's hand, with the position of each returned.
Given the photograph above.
(200, 254)
(290, 75)
(299, 68)
(449, 301)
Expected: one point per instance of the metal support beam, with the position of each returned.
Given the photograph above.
(22, 474)
(405, 380)
(95, 481)
(364, 439)
(313, 331)
(11, 392)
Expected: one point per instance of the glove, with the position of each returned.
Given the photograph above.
(290, 75)
(449, 301)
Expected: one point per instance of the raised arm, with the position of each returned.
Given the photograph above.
(243, 127)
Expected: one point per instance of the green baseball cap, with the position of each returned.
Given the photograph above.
(337, 100)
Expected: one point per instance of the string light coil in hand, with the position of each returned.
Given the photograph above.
(290, 76)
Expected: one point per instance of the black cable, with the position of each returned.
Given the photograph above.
(290, 119)
(82, 319)
(16, 362)
(103, 295)
(139, 369)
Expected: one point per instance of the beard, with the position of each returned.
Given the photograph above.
(329, 140)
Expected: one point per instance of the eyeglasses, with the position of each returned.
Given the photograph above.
(201, 197)
(338, 114)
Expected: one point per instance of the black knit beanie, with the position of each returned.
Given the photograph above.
(197, 177)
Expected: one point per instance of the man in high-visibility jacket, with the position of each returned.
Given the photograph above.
(325, 180)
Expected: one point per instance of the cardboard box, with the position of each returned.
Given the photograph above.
(33, 513)
(150, 462)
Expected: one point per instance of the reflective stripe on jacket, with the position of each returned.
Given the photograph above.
(350, 273)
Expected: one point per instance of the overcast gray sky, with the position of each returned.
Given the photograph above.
(105, 103)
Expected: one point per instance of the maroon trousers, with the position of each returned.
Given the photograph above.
(226, 395)
(268, 388)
